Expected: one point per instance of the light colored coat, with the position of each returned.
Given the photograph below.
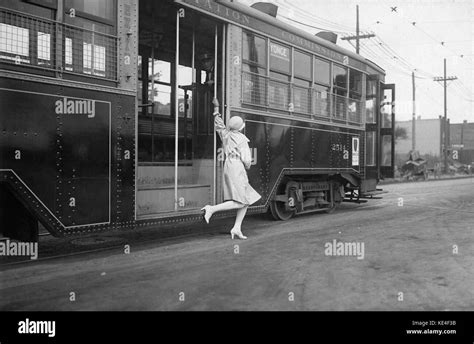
(237, 160)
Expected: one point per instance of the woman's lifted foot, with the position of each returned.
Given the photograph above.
(207, 213)
(237, 232)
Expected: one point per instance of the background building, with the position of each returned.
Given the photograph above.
(429, 140)
(462, 140)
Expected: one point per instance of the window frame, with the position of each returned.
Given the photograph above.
(290, 57)
(337, 98)
(337, 107)
(254, 63)
(373, 149)
(303, 77)
(44, 3)
(91, 17)
(259, 67)
(329, 62)
(370, 97)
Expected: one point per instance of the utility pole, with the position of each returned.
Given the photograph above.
(446, 128)
(413, 124)
(357, 29)
(357, 37)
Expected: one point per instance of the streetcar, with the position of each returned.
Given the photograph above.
(106, 113)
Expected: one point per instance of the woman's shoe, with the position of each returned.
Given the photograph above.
(207, 213)
(238, 233)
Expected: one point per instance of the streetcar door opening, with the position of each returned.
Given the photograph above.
(371, 133)
(180, 72)
(387, 130)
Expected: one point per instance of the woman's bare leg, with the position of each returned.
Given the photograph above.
(227, 205)
(236, 230)
(239, 218)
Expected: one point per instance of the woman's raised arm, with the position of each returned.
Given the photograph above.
(218, 122)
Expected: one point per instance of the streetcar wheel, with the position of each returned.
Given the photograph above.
(278, 211)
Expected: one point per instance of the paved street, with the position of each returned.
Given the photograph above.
(408, 239)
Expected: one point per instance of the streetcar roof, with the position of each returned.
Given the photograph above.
(205, 6)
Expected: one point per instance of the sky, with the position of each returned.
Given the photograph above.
(442, 29)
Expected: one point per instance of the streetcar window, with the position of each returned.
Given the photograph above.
(340, 76)
(321, 71)
(253, 89)
(104, 9)
(278, 91)
(370, 102)
(371, 89)
(340, 92)
(280, 69)
(93, 59)
(302, 65)
(370, 110)
(280, 58)
(97, 16)
(386, 109)
(44, 3)
(386, 115)
(355, 81)
(386, 150)
(68, 53)
(301, 90)
(302, 95)
(253, 84)
(254, 49)
(321, 100)
(322, 79)
(44, 46)
(355, 96)
(39, 8)
(14, 40)
(88, 46)
(161, 99)
(89, 25)
(370, 148)
(161, 70)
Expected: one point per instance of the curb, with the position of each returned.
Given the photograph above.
(426, 180)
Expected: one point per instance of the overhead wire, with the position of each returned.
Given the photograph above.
(381, 52)
(311, 16)
(308, 25)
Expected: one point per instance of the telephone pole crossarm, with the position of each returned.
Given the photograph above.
(440, 78)
(357, 37)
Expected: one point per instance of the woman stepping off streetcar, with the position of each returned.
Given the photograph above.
(238, 194)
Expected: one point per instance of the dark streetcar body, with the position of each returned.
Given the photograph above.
(106, 118)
